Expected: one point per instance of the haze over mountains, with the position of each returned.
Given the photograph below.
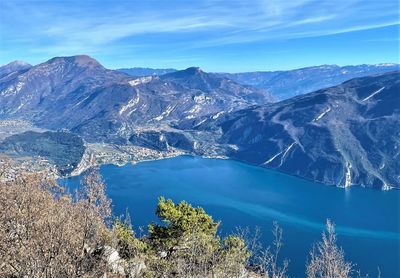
(343, 135)
(145, 71)
(289, 83)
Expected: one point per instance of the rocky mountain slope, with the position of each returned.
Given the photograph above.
(344, 135)
(78, 94)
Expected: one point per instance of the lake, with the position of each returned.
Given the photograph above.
(367, 220)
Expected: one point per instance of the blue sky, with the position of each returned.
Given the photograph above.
(231, 36)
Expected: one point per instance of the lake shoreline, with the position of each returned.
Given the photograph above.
(241, 194)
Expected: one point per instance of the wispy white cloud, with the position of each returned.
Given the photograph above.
(102, 33)
(72, 26)
(346, 29)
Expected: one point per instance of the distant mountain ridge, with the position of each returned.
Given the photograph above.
(288, 83)
(145, 71)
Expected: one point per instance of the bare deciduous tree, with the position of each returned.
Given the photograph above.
(268, 259)
(47, 233)
(327, 259)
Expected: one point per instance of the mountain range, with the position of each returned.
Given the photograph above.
(79, 94)
(288, 83)
(344, 135)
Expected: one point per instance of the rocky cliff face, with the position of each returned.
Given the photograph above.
(344, 135)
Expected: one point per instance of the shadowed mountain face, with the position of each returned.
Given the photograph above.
(79, 94)
(286, 84)
(348, 134)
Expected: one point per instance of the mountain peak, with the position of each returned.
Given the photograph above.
(193, 70)
(15, 66)
(189, 72)
(80, 60)
(17, 63)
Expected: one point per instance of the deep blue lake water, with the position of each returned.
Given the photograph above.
(367, 221)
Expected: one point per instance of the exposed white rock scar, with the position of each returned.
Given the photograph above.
(19, 87)
(272, 158)
(386, 187)
(201, 98)
(202, 121)
(216, 116)
(347, 181)
(13, 89)
(165, 113)
(129, 105)
(195, 109)
(141, 80)
(19, 107)
(79, 102)
(286, 151)
(374, 93)
(322, 114)
(283, 156)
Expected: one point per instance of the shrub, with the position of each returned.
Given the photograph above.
(128, 245)
(188, 245)
(47, 233)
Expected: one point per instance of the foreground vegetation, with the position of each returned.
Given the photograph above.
(47, 232)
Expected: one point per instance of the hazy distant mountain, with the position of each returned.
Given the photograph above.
(286, 84)
(343, 135)
(289, 83)
(13, 67)
(79, 94)
(145, 71)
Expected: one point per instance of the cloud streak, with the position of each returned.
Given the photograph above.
(68, 27)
